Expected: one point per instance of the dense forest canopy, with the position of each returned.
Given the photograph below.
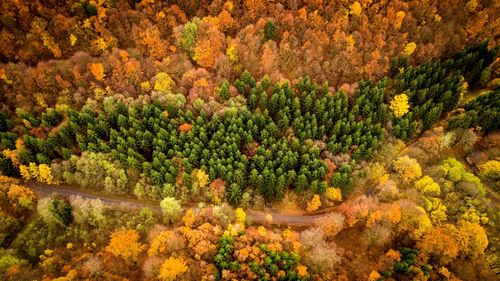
(249, 140)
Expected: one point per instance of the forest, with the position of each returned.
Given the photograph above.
(290, 140)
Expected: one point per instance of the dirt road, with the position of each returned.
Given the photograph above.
(132, 204)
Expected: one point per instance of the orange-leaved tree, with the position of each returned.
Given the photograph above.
(97, 70)
(125, 243)
(440, 244)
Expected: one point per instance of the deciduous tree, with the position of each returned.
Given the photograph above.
(440, 244)
(125, 243)
(172, 268)
(97, 70)
(408, 168)
(314, 204)
(399, 105)
(171, 208)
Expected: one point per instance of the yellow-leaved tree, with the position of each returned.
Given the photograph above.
(232, 53)
(471, 238)
(172, 268)
(374, 275)
(393, 214)
(399, 19)
(125, 243)
(42, 173)
(409, 49)
(12, 155)
(356, 8)
(414, 221)
(490, 170)
(72, 39)
(241, 216)
(165, 243)
(189, 218)
(314, 204)
(399, 105)
(33, 168)
(262, 231)
(302, 270)
(427, 186)
(333, 194)
(163, 82)
(407, 168)
(45, 174)
(201, 178)
(25, 172)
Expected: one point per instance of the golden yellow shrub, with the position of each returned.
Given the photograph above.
(409, 48)
(333, 194)
(314, 204)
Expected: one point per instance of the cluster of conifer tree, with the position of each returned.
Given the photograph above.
(482, 112)
(435, 88)
(288, 129)
(149, 137)
(7, 141)
(273, 262)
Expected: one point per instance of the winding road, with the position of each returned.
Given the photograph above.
(131, 204)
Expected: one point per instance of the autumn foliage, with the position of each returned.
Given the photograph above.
(399, 105)
(172, 268)
(249, 140)
(125, 244)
